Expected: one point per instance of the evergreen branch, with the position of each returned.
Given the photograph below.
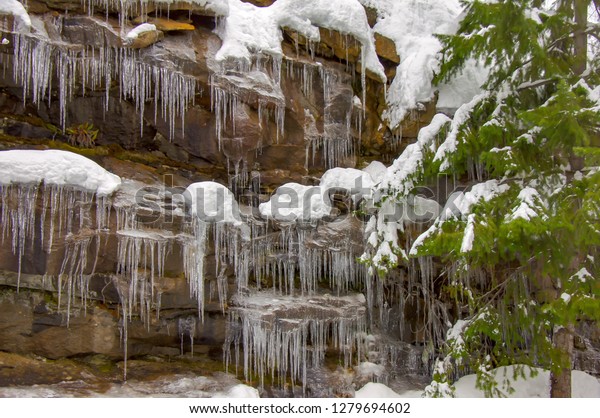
(535, 84)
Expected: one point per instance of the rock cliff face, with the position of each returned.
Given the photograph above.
(169, 113)
(137, 274)
(287, 117)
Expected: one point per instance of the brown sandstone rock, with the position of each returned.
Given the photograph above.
(164, 24)
(386, 48)
(260, 3)
(145, 39)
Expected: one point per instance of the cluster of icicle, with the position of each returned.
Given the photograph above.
(284, 336)
(336, 141)
(67, 215)
(37, 61)
(289, 345)
(283, 258)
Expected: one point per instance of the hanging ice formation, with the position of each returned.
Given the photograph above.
(336, 138)
(234, 86)
(285, 336)
(71, 194)
(37, 61)
(214, 212)
(187, 328)
(293, 261)
(255, 82)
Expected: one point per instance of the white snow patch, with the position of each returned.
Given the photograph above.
(459, 204)
(375, 390)
(296, 202)
(240, 391)
(138, 30)
(529, 199)
(411, 24)
(460, 117)
(212, 202)
(376, 170)
(370, 370)
(463, 87)
(358, 182)
(58, 168)
(582, 275)
(16, 9)
(469, 235)
(397, 176)
(249, 29)
(583, 385)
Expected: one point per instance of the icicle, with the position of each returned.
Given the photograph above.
(194, 248)
(36, 60)
(187, 326)
(287, 336)
(146, 250)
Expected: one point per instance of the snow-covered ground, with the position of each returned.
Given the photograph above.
(583, 386)
(175, 386)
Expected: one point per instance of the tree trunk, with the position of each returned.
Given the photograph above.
(581, 44)
(560, 381)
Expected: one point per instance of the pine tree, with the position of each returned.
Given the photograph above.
(521, 245)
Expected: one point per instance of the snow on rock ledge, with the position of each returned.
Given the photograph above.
(249, 29)
(138, 30)
(15, 8)
(295, 202)
(212, 202)
(57, 168)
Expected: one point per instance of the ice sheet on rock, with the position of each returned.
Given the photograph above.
(56, 168)
(216, 213)
(336, 140)
(141, 259)
(284, 336)
(370, 371)
(128, 7)
(169, 386)
(297, 255)
(70, 211)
